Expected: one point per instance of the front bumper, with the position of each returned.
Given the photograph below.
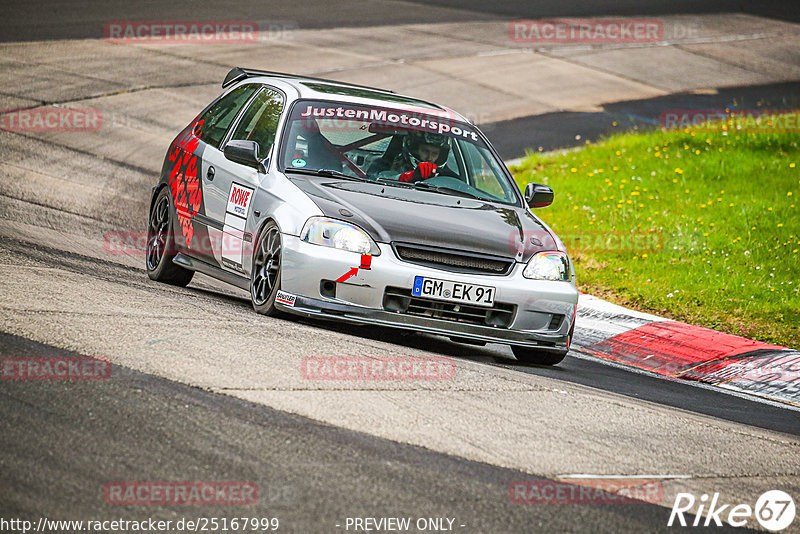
(360, 299)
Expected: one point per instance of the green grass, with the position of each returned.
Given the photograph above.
(715, 216)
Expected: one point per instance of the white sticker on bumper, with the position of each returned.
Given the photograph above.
(287, 299)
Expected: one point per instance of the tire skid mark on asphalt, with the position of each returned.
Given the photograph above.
(49, 143)
(77, 263)
(13, 206)
(102, 314)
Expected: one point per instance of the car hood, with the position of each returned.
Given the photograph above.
(398, 214)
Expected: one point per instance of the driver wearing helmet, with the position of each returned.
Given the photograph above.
(422, 156)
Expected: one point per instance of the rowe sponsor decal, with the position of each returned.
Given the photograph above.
(54, 368)
(51, 119)
(180, 493)
(774, 510)
(385, 368)
(239, 199)
(594, 31)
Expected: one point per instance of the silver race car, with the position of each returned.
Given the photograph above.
(337, 201)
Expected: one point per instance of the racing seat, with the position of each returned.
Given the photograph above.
(319, 154)
(384, 162)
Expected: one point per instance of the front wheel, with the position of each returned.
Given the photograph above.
(265, 278)
(540, 357)
(536, 356)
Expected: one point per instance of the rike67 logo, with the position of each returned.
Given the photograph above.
(774, 510)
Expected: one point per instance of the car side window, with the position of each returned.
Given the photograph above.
(260, 122)
(216, 120)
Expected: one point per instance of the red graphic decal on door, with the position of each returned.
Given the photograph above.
(183, 180)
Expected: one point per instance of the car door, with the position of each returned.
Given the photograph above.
(231, 186)
(187, 180)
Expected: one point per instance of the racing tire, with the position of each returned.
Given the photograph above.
(536, 356)
(540, 357)
(265, 275)
(161, 247)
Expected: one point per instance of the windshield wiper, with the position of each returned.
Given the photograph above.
(327, 173)
(445, 190)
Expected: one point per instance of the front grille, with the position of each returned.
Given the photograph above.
(399, 300)
(453, 260)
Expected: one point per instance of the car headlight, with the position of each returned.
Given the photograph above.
(338, 234)
(548, 266)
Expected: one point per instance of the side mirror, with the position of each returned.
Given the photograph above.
(538, 195)
(244, 152)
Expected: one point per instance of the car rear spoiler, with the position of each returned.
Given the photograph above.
(238, 73)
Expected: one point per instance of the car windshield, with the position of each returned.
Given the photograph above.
(387, 145)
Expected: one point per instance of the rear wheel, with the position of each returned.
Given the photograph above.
(161, 245)
(265, 279)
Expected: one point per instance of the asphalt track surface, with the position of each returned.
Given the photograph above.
(311, 476)
(60, 442)
(76, 19)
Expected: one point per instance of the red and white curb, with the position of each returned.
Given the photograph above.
(686, 352)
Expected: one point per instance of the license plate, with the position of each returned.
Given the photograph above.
(453, 291)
